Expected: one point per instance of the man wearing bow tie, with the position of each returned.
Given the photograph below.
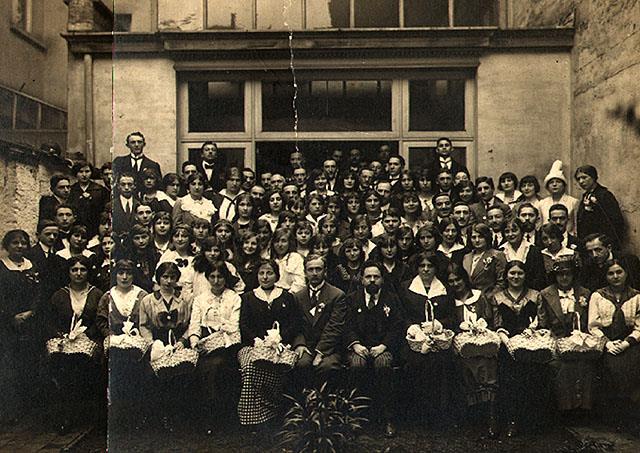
(136, 161)
(324, 309)
(443, 159)
(212, 166)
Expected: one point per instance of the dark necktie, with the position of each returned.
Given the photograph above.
(372, 302)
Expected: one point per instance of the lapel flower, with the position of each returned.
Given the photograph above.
(359, 310)
(32, 276)
(582, 301)
(386, 310)
(321, 306)
(86, 195)
(487, 262)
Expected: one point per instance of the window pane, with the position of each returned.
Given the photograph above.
(421, 157)
(272, 14)
(234, 156)
(327, 105)
(426, 13)
(475, 12)
(26, 114)
(376, 13)
(53, 119)
(6, 109)
(327, 13)
(230, 14)
(436, 105)
(216, 106)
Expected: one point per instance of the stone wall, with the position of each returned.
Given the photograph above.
(24, 177)
(606, 70)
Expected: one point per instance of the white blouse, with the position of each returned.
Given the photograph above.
(601, 312)
(291, 272)
(202, 208)
(215, 312)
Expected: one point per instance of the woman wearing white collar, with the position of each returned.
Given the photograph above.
(424, 298)
(451, 245)
(260, 308)
(517, 249)
(480, 374)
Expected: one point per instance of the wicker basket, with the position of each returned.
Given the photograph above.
(133, 346)
(217, 340)
(269, 353)
(80, 345)
(535, 346)
(579, 345)
(477, 344)
(434, 342)
(176, 362)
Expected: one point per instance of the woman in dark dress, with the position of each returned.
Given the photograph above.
(517, 249)
(614, 312)
(261, 392)
(386, 253)
(78, 377)
(479, 374)
(598, 211)
(247, 259)
(523, 389)
(18, 329)
(348, 272)
(561, 306)
(429, 376)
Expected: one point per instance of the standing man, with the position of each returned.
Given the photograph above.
(212, 165)
(443, 159)
(395, 165)
(330, 168)
(124, 204)
(136, 161)
(324, 309)
(60, 190)
(372, 336)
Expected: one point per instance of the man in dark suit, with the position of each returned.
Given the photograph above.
(136, 161)
(212, 165)
(324, 310)
(124, 204)
(443, 159)
(373, 335)
(61, 188)
(599, 251)
(559, 214)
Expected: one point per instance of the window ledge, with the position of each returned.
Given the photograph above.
(30, 38)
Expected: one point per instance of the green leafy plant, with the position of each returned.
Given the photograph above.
(323, 421)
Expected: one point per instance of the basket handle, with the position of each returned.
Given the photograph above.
(172, 338)
(276, 326)
(204, 324)
(576, 321)
(429, 314)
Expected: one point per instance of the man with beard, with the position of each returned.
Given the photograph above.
(373, 335)
(599, 251)
(528, 214)
(323, 309)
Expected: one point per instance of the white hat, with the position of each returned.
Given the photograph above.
(555, 172)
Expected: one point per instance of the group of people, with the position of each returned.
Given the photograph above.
(345, 259)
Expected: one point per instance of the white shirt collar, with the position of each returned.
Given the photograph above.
(475, 295)
(436, 288)
(268, 298)
(367, 297)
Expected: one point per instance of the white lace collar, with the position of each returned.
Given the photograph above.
(268, 298)
(25, 266)
(436, 289)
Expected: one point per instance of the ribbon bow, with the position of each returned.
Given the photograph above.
(476, 327)
(160, 350)
(128, 333)
(272, 340)
(182, 262)
(76, 329)
(166, 317)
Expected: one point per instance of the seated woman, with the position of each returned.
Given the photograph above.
(119, 305)
(212, 252)
(217, 311)
(77, 375)
(181, 254)
(561, 305)
(165, 316)
(523, 389)
(479, 374)
(551, 238)
(429, 375)
(261, 392)
(484, 265)
(614, 312)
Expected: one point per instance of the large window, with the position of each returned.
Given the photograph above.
(327, 105)
(437, 105)
(323, 14)
(216, 106)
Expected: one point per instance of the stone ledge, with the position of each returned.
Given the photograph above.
(33, 156)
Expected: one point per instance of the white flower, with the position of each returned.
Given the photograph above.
(387, 310)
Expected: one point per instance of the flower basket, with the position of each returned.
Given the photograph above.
(476, 340)
(129, 345)
(535, 346)
(75, 342)
(167, 362)
(429, 336)
(217, 340)
(580, 345)
(270, 351)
